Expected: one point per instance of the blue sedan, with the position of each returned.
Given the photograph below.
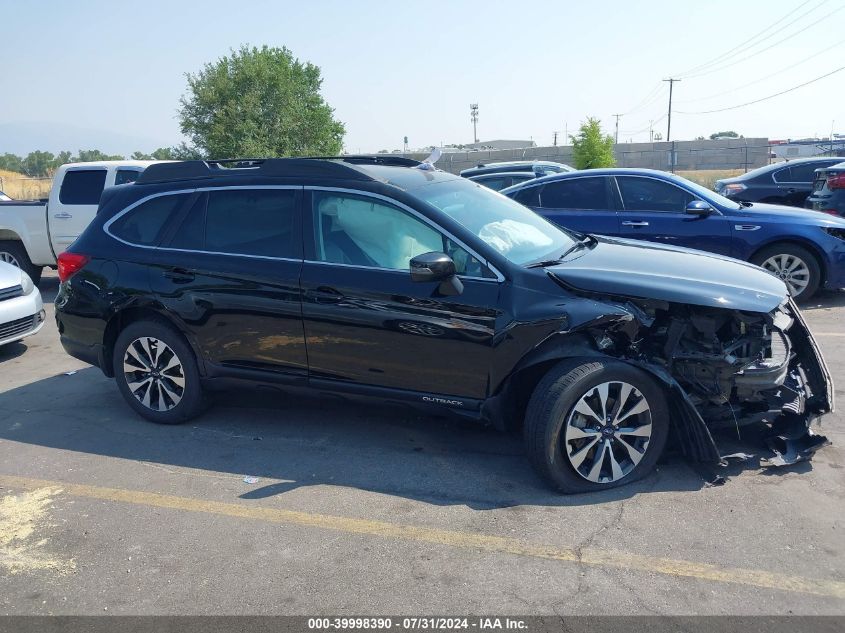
(804, 248)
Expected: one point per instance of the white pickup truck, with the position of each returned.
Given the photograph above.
(34, 232)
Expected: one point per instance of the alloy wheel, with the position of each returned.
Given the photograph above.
(791, 269)
(608, 432)
(154, 373)
(8, 258)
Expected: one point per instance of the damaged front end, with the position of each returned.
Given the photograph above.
(729, 369)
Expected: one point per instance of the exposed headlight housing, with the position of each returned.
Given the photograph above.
(26, 283)
(835, 232)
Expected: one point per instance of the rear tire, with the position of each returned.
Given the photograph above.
(156, 372)
(13, 252)
(563, 438)
(796, 266)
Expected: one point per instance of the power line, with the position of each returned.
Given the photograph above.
(648, 99)
(763, 50)
(774, 74)
(777, 94)
(745, 44)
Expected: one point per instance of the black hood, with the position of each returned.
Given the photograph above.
(633, 268)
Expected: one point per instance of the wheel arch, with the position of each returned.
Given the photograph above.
(132, 314)
(506, 409)
(797, 240)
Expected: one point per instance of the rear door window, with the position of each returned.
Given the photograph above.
(576, 193)
(82, 186)
(803, 173)
(125, 176)
(650, 194)
(252, 222)
(145, 224)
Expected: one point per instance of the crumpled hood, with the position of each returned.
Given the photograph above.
(633, 268)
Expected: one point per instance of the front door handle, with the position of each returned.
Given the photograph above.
(64, 215)
(179, 276)
(638, 223)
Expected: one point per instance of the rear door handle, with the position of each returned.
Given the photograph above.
(179, 276)
(64, 215)
(638, 223)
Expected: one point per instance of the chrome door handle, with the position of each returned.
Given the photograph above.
(64, 215)
(629, 223)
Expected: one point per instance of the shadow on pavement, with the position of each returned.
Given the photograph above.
(300, 439)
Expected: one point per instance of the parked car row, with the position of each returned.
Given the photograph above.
(806, 249)
(828, 194)
(786, 183)
(572, 305)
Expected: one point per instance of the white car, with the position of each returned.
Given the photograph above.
(21, 309)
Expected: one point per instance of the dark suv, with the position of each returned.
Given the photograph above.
(829, 190)
(786, 183)
(383, 277)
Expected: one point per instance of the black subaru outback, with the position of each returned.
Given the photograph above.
(384, 277)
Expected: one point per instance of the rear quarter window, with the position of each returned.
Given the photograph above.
(82, 186)
(145, 224)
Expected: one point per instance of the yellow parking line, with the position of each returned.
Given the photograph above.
(467, 540)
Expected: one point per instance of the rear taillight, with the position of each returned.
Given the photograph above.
(830, 212)
(70, 264)
(836, 181)
(733, 188)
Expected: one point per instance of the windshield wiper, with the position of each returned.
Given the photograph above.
(585, 241)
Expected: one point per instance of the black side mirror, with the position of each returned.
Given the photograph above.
(436, 266)
(699, 207)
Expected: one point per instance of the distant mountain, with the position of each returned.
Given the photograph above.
(22, 137)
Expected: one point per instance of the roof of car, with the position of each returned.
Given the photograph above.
(397, 171)
(601, 171)
(505, 165)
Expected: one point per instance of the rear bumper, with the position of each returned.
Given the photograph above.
(91, 354)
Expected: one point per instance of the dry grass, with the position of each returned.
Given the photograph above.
(708, 177)
(20, 187)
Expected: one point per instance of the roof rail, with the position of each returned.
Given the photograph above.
(278, 167)
(372, 159)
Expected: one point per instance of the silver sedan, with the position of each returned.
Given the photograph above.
(21, 308)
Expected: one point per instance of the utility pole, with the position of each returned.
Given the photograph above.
(616, 140)
(555, 141)
(473, 115)
(651, 130)
(669, 124)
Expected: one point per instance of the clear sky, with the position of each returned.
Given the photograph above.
(412, 68)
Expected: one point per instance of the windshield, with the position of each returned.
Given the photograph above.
(515, 231)
(708, 194)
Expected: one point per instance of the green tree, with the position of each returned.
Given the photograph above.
(141, 156)
(61, 159)
(91, 155)
(590, 148)
(729, 134)
(38, 164)
(11, 162)
(259, 102)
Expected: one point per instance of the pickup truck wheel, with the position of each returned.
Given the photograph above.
(157, 374)
(14, 253)
(796, 266)
(595, 425)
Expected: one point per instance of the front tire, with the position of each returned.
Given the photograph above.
(796, 266)
(157, 374)
(595, 425)
(13, 252)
